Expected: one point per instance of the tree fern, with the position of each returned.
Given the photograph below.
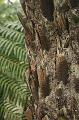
(12, 71)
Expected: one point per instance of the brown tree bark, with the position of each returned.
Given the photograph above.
(52, 41)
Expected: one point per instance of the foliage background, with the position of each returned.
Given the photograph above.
(13, 63)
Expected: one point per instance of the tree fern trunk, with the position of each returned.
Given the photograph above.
(52, 40)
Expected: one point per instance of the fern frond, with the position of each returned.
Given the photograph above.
(11, 34)
(20, 53)
(10, 111)
(14, 25)
(13, 90)
(9, 47)
(13, 68)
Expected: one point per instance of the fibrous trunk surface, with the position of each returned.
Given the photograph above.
(52, 41)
